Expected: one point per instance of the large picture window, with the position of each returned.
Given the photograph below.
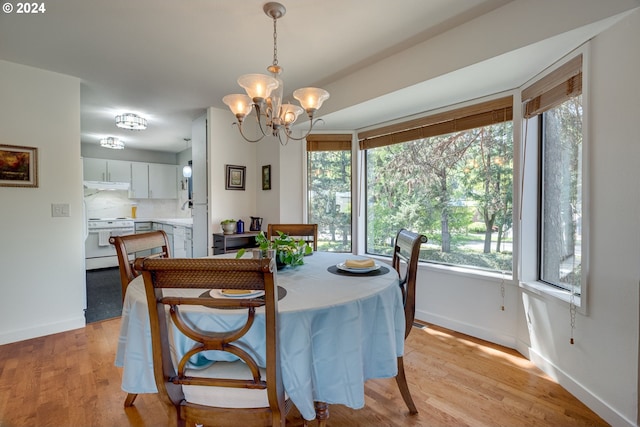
(329, 190)
(450, 177)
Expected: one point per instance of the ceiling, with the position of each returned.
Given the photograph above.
(168, 60)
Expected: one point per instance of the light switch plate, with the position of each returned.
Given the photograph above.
(60, 209)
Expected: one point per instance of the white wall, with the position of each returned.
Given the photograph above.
(603, 364)
(601, 368)
(283, 203)
(226, 147)
(42, 276)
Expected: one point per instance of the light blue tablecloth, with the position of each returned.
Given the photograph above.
(335, 333)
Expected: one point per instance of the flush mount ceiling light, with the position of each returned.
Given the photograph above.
(264, 95)
(131, 121)
(111, 142)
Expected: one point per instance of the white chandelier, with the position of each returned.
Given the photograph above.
(112, 142)
(131, 121)
(264, 95)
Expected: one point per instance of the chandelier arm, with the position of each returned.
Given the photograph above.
(312, 123)
(286, 141)
(239, 124)
(259, 115)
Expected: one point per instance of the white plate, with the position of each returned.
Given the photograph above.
(217, 293)
(343, 267)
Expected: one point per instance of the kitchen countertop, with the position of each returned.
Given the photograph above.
(185, 222)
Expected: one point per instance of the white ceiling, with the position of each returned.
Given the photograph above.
(170, 60)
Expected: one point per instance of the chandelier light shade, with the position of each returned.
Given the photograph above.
(131, 121)
(264, 96)
(240, 105)
(112, 142)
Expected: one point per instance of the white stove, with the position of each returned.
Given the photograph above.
(110, 223)
(99, 253)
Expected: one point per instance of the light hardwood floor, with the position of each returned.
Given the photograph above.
(69, 379)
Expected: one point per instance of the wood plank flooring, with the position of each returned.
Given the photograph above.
(69, 379)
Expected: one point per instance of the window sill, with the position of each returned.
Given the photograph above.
(507, 277)
(561, 295)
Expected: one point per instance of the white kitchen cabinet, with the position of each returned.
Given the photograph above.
(106, 170)
(153, 181)
(182, 242)
(163, 181)
(139, 181)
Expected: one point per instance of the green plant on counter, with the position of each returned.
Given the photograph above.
(289, 251)
(227, 221)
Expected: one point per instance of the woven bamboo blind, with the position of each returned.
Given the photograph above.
(329, 142)
(465, 118)
(553, 89)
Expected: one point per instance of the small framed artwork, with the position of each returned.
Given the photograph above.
(235, 177)
(266, 177)
(18, 166)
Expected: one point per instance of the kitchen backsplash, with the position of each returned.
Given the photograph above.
(116, 204)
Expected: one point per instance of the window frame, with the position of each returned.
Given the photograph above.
(530, 193)
(472, 114)
(331, 142)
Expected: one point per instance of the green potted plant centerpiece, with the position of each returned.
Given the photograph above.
(289, 251)
(228, 226)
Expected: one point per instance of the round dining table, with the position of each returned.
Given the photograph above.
(337, 329)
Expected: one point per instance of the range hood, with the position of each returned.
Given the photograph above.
(99, 185)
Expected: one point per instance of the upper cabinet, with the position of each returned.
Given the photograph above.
(163, 181)
(153, 181)
(147, 180)
(106, 170)
(139, 181)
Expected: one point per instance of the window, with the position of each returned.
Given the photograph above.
(557, 101)
(329, 190)
(448, 176)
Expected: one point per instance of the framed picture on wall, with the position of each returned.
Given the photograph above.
(235, 177)
(18, 166)
(266, 177)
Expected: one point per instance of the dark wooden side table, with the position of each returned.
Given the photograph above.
(225, 243)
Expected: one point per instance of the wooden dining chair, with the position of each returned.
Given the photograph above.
(153, 241)
(406, 251)
(306, 232)
(225, 393)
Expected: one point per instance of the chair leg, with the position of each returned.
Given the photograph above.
(131, 397)
(401, 379)
(322, 413)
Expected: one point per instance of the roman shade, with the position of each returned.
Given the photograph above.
(553, 89)
(329, 142)
(460, 119)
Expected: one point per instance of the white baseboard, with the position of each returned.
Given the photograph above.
(469, 329)
(584, 395)
(42, 330)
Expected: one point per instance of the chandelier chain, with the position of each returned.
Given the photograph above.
(275, 41)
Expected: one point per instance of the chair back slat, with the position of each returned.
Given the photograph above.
(127, 245)
(306, 232)
(407, 250)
